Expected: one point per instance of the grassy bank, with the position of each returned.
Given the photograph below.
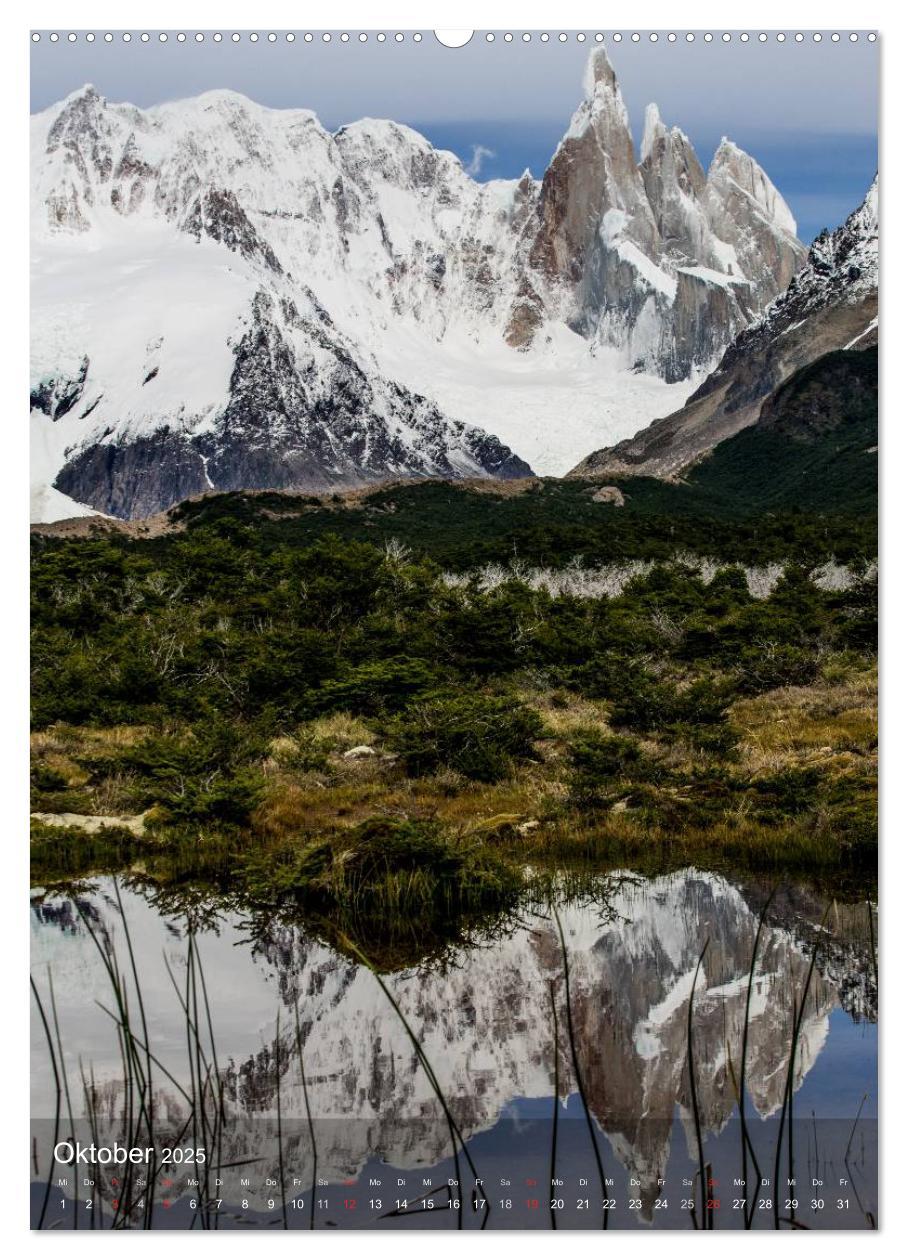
(792, 788)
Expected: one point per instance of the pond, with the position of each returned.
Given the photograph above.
(580, 1064)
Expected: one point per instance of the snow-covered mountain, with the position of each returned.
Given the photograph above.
(226, 295)
(831, 304)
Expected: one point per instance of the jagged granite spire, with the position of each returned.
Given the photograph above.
(656, 257)
(593, 174)
(675, 186)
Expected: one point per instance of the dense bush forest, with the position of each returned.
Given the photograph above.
(229, 681)
(543, 522)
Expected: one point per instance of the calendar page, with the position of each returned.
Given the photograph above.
(454, 556)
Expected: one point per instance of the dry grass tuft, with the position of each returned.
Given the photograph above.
(284, 811)
(339, 731)
(808, 724)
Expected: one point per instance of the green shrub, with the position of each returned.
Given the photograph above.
(598, 762)
(858, 622)
(642, 702)
(789, 793)
(387, 864)
(774, 665)
(199, 775)
(704, 703)
(476, 734)
(373, 687)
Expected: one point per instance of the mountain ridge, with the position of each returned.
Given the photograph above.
(400, 317)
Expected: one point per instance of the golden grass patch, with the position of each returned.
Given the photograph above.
(797, 724)
(340, 731)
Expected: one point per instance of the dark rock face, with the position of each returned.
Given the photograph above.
(138, 479)
(830, 305)
(527, 314)
(217, 214)
(701, 313)
(135, 479)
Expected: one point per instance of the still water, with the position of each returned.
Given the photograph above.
(586, 1053)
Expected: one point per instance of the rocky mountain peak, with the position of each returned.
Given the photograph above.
(842, 269)
(599, 77)
(851, 252)
(866, 219)
(661, 144)
(653, 257)
(733, 173)
(675, 187)
(650, 266)
(593, 172)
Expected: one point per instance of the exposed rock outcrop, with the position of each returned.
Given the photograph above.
(831, 304)
(657, 257)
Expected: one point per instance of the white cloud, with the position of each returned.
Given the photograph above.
(480, 153)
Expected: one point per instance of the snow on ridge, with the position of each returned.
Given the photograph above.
(711, 276)
(651, 124)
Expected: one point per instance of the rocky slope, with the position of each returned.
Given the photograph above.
(830, 305)
(226, 295)
(814, 446)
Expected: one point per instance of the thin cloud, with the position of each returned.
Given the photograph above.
(480, 153)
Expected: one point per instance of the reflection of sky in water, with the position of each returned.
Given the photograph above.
(849, 1071)
(244, 1000)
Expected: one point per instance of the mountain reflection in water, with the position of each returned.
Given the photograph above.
(483, 1018)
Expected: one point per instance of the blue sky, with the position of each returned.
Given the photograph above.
(807, 112)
